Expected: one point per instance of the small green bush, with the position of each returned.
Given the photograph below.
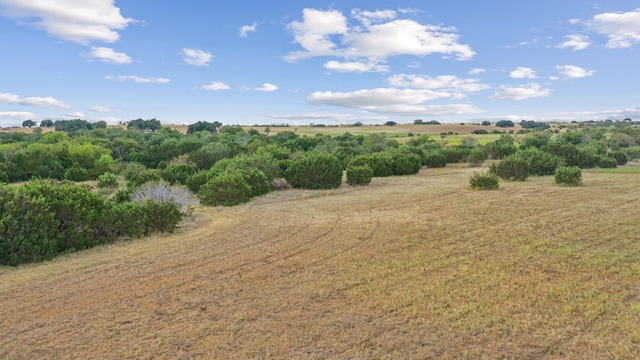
(359, 175)
(4, 178)
(195, 181)
(143, 177)
(257, 180)
(511, 168)
(177, 173)
(607, 162)
(226, 189)
(315, 170)
(435, 159)
(406, 163)
(621, 157)
(484, 181)
(76, 173)
(108, 180)
(568, 175)
(477, 156)
(540, 163)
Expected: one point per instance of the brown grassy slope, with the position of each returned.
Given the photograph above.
(411, 267)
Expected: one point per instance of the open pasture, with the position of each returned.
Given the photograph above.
(412, 267)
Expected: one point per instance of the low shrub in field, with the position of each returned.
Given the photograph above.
(108, 180)
(195, 181)
(406, 163)
(359, 175)
(76, 173)
(477, 156)
(568, 175)
(143, 177)
(163, 192)
(607, 162)
(511, 168)
(315, 170)
(456, 154)
(226, 189)
(484, 181)
(435, 159)
(540, 163)
(177, 173)
(381, 163)
(257, 180)
(633, 153)
(621, 157)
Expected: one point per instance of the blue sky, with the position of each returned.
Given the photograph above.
(273, 62)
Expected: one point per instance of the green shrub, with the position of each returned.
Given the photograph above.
(161, 216)
(484, 181)
(540, 163)
(129, 170)
(406, 164)
(108, 180)
(76, 173)
(511, 168)
(226, 189)
(359, 175)
(606, 162)
(568, 175)
(177, 173)
(195, 181)
(143, 177)
(633, 153)
(621, 157)
(435, 159)
(4, 178)
(477, 156)
(456, 154)
(315, 170)
(257, 180)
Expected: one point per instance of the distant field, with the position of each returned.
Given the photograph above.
(413, 267)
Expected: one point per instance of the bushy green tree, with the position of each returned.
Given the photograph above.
(315, 170)
(477, 156)
(435, 159)
(226, 189)
(178, 173)
(76, 173)
(511, 168)
(568, 175)
(484, 181)
(359, 175)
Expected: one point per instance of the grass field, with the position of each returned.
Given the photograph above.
(413, 267)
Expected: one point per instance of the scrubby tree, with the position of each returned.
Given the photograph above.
(46, 123)
(315, 170)
(28, 123)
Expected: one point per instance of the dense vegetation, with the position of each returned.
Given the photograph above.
(226, 165)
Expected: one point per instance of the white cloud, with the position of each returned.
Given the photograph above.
(520, 93)
(76, 115)
(138, 79)
(327, 116)
(392, 101)
(476, 71)
(577, 42)
(450, 83)
(266, 87)
(17, 115)
(73, 20)
(246, 29)
(375, 40)
(108, 55)
(196, 57)
(623, 29)
(574, 72)
(574, 21)
(355, 66)
(32, 101)
(216, 85)
(523, 73)
(98, 108)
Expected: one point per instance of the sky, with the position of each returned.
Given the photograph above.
(319, 62)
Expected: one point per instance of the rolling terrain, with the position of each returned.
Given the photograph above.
(411, 267)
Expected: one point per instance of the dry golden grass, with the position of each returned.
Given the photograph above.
(413, 267)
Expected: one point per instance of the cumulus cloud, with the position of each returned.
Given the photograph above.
(327, 116)
(355, 66)
(110, 56)
(32, 101)
(574, 72)
(622, 29)
(523, 73)
(78, 21)
(520, 93)
(381, 35)
(246, 29)
(449, 83)
(138, 79)
(577, 42)
(216, 85)
(266, 87)
(196, 57)
(17, 115)
(98, 108)
(392, 101)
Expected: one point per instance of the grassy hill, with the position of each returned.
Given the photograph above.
(411, 267)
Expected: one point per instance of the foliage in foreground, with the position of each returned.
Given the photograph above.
(41, 219)
(484, 181)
